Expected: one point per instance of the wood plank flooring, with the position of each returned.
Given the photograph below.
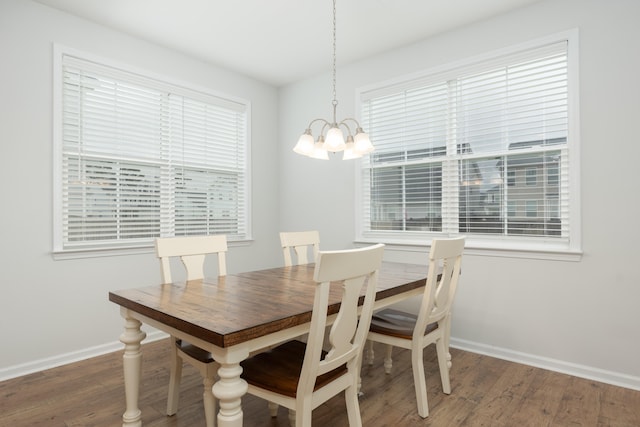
(485, 392)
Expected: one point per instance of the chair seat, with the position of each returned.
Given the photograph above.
(194, 352)
(397, 323)
(284, 366)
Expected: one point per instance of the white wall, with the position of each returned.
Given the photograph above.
(578, 317)
(52, 311)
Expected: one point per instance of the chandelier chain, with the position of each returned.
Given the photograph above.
(335, 101)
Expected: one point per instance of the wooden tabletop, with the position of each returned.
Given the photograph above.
(238, 307)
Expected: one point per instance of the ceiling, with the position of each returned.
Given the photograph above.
(282, 41)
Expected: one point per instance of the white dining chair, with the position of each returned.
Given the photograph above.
(431, 325)
(301, 376)
(299, 243)
(192, 251)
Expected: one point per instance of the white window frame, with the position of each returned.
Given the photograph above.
(538, 248)
(63, 250)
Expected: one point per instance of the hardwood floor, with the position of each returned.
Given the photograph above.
(485, 392)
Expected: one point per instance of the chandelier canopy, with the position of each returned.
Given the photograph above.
(331, 137)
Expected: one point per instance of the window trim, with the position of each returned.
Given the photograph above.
(135, 247)
(538, 248)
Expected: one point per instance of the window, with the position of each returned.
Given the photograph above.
(531, 176)
(138, 157)
(457, 151)
(553, 176)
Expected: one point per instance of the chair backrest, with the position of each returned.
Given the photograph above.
(192, 251)
(445, 259)
(299, 242)
(354, 268)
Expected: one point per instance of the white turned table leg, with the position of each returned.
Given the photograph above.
(229, 390)
(132, 363)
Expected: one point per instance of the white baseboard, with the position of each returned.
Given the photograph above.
(66, 358)
(582, 371)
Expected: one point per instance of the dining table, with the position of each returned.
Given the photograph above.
(236, 315)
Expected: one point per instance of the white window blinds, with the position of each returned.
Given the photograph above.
(142, 158)
(481, 150)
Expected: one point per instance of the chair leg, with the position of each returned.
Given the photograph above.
(174, 379)
(444, 363)
(419, 381)
(293, 418)
(388, 361)
(301, 416)
(369, 352)
(353, 407)
(273, 409)
(358, 365)
(447, 336)
(209, 401)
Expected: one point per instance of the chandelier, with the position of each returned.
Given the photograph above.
(331, 137)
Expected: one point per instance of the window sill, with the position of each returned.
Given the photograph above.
(79, 253)
(100, 252)
(525, 250)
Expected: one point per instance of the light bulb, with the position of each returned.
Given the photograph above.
(305, 144)
(363, 144)
(319, 152)
(349, 150)
(335, 140)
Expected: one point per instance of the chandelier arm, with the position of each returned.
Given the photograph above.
(342, 123)
(325, 122)
(324, 126)
(352, 120)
